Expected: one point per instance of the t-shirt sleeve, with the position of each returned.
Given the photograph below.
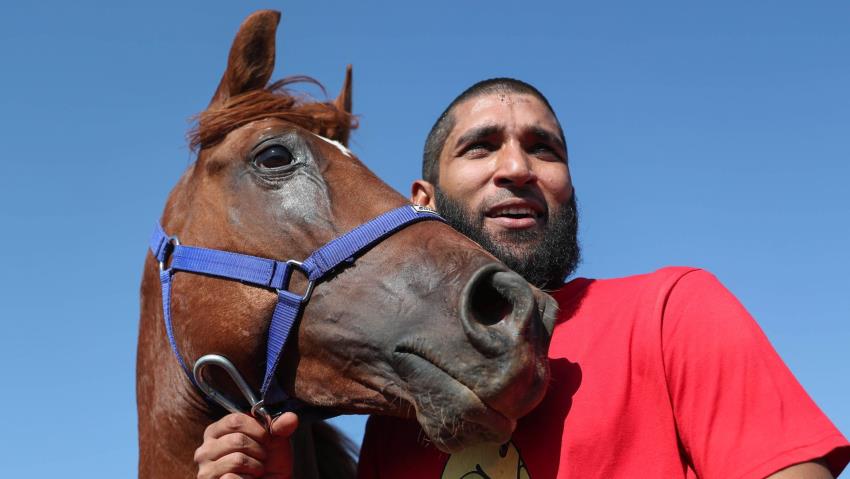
(739, 411)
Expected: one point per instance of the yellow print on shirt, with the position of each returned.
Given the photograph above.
(486, 461)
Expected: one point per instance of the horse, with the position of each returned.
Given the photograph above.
(424, 324)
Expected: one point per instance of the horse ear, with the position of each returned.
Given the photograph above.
(251, 59)
(343, 102)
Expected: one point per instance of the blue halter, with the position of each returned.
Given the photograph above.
(269, 273)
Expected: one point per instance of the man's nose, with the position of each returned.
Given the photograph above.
(514, 167)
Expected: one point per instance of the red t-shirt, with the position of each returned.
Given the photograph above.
(663, 375)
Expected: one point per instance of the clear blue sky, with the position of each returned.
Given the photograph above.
(714, 134)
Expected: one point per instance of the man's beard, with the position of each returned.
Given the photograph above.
(544, 257)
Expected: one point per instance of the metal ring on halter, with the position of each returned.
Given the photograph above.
(260, 413)
(300, 267)
(173, 241)
(257, 409)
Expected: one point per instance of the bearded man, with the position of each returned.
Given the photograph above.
(658, 375)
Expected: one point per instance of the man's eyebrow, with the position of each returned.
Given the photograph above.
(548, 136)
(478, 133)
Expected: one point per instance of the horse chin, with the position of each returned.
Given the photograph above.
(450, 413)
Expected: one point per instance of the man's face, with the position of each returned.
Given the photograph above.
(504, 181)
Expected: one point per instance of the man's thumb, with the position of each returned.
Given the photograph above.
(284, 425)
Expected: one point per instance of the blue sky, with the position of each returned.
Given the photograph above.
(714, 134)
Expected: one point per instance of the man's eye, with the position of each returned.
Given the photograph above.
(273, 157)
(478, 149)
(545, 150)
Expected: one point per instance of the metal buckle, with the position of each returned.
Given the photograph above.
(169, 248)
(424, 209)
(300, 267)
(257, 408)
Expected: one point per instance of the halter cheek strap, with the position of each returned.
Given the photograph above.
(274, 274)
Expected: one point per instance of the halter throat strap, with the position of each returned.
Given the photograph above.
(274, 274)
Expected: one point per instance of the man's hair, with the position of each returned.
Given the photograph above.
(445, 123)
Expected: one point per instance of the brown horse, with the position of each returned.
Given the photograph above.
(424, 324)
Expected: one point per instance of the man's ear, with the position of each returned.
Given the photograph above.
(422, 194)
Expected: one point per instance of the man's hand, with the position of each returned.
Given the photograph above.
(238, 447)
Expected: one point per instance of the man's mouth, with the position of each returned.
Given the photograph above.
(515, 214)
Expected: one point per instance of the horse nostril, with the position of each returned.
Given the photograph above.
(496, 306)
(487, 305)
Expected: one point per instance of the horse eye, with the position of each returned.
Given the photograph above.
(273, 157)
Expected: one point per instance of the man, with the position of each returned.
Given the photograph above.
(657, 375)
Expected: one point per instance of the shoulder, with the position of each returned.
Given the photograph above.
(644, 287)
(644, 306)
(616, 313)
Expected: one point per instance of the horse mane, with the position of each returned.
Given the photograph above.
(273, 101)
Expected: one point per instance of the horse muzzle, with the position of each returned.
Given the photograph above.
(498, 374)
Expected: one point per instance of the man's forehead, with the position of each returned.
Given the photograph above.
(504, 98)
(502, 107)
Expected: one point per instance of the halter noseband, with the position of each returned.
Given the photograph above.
(268, 273)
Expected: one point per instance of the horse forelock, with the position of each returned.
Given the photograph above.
(273, 101)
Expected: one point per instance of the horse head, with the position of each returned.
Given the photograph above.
(424, 324)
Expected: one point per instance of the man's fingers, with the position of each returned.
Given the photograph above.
(284, 425)
(279, 447)
(237, 446)
(237, 463)
(236, 422)
(280, 457)
(213, 449)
